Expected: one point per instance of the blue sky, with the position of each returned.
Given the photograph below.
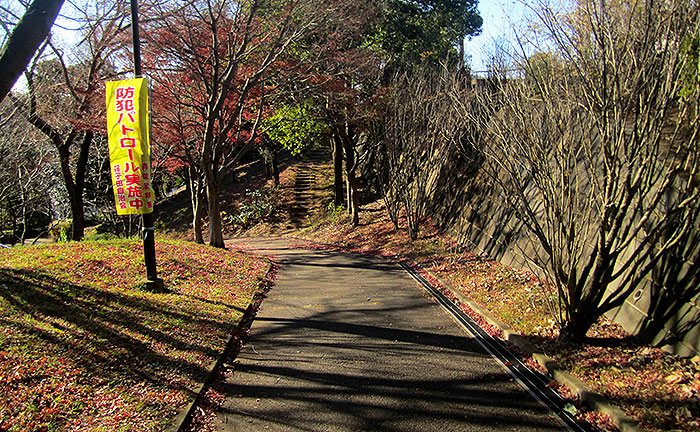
(498, 16)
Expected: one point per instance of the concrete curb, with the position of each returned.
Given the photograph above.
(553, 368)
(182, 420)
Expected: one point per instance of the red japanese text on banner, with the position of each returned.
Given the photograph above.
(128, 129)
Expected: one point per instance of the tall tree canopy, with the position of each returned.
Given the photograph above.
(210, 61)
(414, 31)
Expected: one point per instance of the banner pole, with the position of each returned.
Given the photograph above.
(149, 244)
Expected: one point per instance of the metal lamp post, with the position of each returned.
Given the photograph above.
(153, 282)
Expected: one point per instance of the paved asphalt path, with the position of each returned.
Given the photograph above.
(346, 342)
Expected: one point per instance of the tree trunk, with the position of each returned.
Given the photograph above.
(268, 168)
(24, 40)
(267, 160)
(13, 218)
(460, 61)
(575, 330)
(348, 144)
(411, 219)
(352, 194)
(197, 222)
(78, 212)
(392, 203)
(275, 168)
(23, 199)
(74, 198)
(80, 173)
(216, 234)
(269, 155)
(211, 173)
(25, 221)
(337, 170)
(81, 167)
(196, 186)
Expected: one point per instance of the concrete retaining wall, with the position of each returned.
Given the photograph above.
(470, 207)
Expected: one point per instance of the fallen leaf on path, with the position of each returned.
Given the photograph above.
(675, 378)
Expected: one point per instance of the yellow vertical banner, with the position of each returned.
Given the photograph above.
(128, 130)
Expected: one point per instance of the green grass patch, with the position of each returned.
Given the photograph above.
(83, 348)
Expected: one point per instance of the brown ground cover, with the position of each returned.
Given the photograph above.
(84, 348)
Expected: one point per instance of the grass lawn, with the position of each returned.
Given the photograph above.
(83, 348)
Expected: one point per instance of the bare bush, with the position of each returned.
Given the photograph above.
(595, 147)
(419, 128)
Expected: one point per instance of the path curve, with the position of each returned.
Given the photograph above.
(346, 342)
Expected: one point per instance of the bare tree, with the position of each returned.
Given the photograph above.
(420, 128)
(64, 99)
(26, 170)
(595, 147)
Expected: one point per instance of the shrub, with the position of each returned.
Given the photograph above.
(60, 232)
(335, 212)
(255, 208)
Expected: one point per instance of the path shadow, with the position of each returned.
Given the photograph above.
(289, 378)
(364, 351)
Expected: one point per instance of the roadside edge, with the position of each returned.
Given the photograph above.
(551, 366)
(180, 422)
